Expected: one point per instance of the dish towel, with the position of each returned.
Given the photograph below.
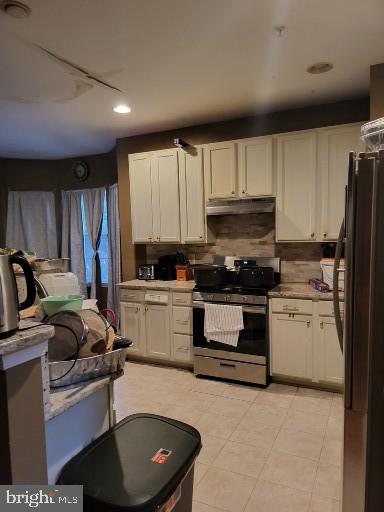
(223, 323)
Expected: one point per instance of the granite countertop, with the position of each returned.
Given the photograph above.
(301, 291)
(28, 338)
(63, 398)
(176, 286)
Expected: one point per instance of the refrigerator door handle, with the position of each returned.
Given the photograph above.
(336, 295)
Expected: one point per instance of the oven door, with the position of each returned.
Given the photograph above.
(253, 343)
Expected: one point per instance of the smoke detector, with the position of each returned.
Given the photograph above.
(319, 67)
(15, 9)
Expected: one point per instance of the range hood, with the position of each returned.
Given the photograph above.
(241, 206)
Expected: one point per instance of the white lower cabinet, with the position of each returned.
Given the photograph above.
(157, 331)
(330, 358)
(292, 345)
(132, 326)
(305, 346)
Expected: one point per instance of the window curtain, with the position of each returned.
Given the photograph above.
(114, 271)
(72, 244)
(31, 222)
(93, 208)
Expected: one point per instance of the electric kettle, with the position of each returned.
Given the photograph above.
(9, 302)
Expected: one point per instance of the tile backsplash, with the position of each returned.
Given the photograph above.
(250, 235)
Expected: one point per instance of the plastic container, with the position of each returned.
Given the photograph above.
(54, 303)
(327, 265)
(372, 134)
(144, 463)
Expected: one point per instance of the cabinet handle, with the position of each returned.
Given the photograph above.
(183, 322)
(179, 300)
(146, 309)
(201, 237)
(312, 235)
(149, 238)
(325, 235)
(243, 192)
(233, 192)
(290, 308)
(228, 365)
(308, 323)
(321, 325)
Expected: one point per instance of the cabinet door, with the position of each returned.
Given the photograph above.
(296, 169)
(291, 341)
(158, 338)
(192, 207)
(141, 196)
(334, 146)
(166, 201)
(331, 366)
(220, 170)
(255, 167)
(182, 348)
(132, 326)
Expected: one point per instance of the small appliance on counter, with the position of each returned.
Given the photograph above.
(167, 267)
(148, 272)
(9, 303)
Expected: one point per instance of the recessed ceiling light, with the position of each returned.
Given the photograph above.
(320, 67)
(15, 9)
(122, 109)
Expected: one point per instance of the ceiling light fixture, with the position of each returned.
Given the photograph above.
(122, 109)
(15, 9)
(319, 67)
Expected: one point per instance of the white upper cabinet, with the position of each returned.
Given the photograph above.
(155, 202)
(334, 146)
(166, 201)
(255, 167)
(141, 196)
(192, 212)
(220, 170)
(296, 175)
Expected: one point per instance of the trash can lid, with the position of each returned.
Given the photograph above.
(136, 465)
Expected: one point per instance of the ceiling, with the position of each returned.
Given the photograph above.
(176, 63)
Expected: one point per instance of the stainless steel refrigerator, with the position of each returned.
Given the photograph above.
(362, 333)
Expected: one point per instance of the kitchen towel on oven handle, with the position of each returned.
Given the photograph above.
(223, 323)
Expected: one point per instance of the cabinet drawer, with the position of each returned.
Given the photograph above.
(326, 308)
(182, 347)
(226, 369)
(130, 295)
(182, 299)
(297, 306)
(182, 320)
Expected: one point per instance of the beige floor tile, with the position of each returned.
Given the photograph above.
(241, 392)
(300, 444)
(285, 469)
(315, 393)
(255, 434)
(270, 497)
(312, 405)
(229, 407)
(225, 490)
(337, 409)
(200, 470)
(332, 451)
(306, 422)
(216, 425)
(275, 399)
(185, 414)
(241, 458)
(319, 504)
(211, 449)
(281, 389)
(335, 428)
(212, 387)
(267, 414)
(328, 481)
(200, 401)
(202, 507)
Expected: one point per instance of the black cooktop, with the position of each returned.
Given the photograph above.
(235, 289)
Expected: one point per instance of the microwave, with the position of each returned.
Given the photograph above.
(147, 272)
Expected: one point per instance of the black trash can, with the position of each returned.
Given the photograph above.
(144, 463)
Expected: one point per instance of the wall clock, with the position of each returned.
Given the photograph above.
(80, 170)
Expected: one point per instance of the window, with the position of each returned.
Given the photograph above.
(103, 248)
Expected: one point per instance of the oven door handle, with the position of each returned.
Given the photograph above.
(260, 310)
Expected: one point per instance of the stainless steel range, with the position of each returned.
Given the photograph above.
(249, 360)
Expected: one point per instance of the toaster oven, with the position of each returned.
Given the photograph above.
(147, 272)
